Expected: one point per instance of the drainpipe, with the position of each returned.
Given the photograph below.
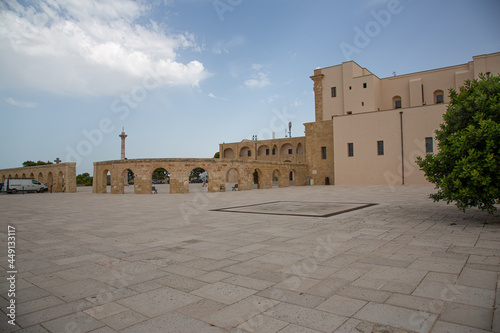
(402, 150)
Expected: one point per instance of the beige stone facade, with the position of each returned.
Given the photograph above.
(58, 177)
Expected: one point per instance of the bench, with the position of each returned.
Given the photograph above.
(235, 187)
(154, 190)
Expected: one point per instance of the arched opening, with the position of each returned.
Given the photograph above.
(106, 180)
(161, 180)
(61, 186)
(274, 151)
(17, 176)
(198, 180)
(438, 97)
(276, 178)
(396, 102)
(32, 175)
(50, 182)
(128, 177)
(286, 149)
(291, 177)
(232, 179)
(245, 152)
(263, 151)
(228, 153)
(300, 149)
(256, 178)
(24, 176)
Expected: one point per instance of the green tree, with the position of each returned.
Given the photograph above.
(217, 155)
(31, 163)
(466, 170)
(84, 179)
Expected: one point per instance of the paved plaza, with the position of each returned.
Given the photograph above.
(289, 260)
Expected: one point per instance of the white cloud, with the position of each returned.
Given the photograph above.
(223, 46)
(259, 78)
(216, 97)
(90, 47)
(21, 104)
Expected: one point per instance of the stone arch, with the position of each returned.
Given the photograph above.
(199, 178)
(60, 184)
(286, 149)
(161, 179)
(130, 179)
(103, 185)
(300, 149)
(232, 178)
(396, 102)
(438, 96)
(32, 175)
(263, 151)
(50, 181)
(17, 176)
(245, 152)
(24, 176)
(291, 177)
(228, 153)
(276, 178)
(40, 177)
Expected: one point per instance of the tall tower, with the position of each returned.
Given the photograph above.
(123, 136)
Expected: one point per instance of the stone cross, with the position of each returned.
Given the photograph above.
(57, 160)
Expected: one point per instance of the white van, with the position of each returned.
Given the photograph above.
(14, 185)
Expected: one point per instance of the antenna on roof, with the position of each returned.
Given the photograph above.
(394, 73)
(290, 129)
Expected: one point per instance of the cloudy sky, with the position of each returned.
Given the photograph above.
(183, 76)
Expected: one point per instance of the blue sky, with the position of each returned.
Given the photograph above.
(183, 76)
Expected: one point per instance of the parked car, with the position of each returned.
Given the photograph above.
(14, 185)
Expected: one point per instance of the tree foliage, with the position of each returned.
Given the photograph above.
(84, 179)
(466, 170)
(31, 163)
(217, 155)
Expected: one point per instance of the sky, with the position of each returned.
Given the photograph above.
(183, 76)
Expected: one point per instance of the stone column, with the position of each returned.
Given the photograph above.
(123, 136)
(318, 94)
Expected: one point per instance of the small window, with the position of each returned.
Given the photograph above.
(249, 152)
(350, 149)
(334, 91)
(349, 112)
(380, 148)
(350, 88)
(290, 151)
(429, 146)
(274, 151)
(397, 104)
(364, 85)
(439, 99)
(323, 153)
(362, 103)
(267, 151)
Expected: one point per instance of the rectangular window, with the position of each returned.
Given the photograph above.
(380, 147)
(267, 151)
(274, 151)
(397, 104)
(290, 151)
(439, 99)
(334, 91)
(350, 149)
(364, 85)
(429, 146)
(249, 152)
(323, 153)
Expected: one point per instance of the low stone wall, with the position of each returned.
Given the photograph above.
(58, 177)
(179, 169)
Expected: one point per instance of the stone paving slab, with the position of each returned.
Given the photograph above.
(171, 263)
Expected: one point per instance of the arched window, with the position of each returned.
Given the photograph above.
(396, 102)
(438, 96)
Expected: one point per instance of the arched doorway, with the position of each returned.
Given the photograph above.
(198, 180)
(60, 186)
(256, 178)
(106, 181)
(128, 176)
(232, 178)
(161, 180)
(276, 178)
(40, 177)
(32, 175)
(24, 176)
(291, 177)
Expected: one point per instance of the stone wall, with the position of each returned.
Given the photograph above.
(320, 134)
(58, 177)
(219, 170)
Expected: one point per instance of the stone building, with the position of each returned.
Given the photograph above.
(368, 130)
